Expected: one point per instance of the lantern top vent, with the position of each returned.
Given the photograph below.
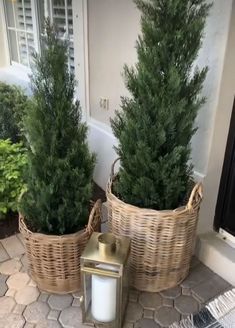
(107, 248)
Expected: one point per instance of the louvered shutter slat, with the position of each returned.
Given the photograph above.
(62, 16)
(25, 23)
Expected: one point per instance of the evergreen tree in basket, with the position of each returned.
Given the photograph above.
(156, 123)
(59, 175)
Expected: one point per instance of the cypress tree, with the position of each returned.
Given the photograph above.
(156, 123)
(59, 175)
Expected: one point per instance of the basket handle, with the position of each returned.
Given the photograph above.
(112, 174)
(21, 221)
(96, 208)
(195, 195)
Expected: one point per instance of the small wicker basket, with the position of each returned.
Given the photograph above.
(54, 261)
(162, 242)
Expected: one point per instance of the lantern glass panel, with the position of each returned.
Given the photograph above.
(105, 280)
(101, 296)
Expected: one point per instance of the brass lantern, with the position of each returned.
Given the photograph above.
(104, 274)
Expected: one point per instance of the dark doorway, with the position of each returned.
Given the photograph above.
(225, 208)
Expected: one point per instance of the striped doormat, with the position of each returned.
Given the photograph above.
(220, 313)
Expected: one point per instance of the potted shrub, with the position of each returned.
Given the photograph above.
(55, 208)
(13, 102)
(152, 198)
(12, 163)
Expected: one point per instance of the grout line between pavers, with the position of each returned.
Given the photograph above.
(20, 239)
(5, 251)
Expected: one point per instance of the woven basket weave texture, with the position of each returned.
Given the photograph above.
(162, 242)
(54, 261)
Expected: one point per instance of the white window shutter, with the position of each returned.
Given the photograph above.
(20, 30)
(24, 22)
(62, 16)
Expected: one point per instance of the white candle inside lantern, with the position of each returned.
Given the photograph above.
(103, 297)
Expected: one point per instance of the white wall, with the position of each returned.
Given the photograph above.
(113, 30)
(219, 133)
(212, 55)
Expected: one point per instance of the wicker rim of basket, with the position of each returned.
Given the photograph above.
(78, 234)
(192, 204)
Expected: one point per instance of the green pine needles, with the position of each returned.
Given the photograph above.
(59, 175)
(13, 103)
(156, 123)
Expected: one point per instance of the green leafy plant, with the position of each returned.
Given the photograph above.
(60, 170)
(13, 161)
(156, 123)
(13, 103)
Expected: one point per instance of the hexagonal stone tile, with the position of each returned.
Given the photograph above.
(186, 291)
(71, 317)
(197, 275)
(32, 283)
(43, 297)
(209, 288)
(146, 323)
(186, 304)
(18, 280)
(171, 292)
(12, 321)
(49, 324)
(76, 302)
(21, 238)
(148, 314)
(3, 254)
(27, 295)
(10, 267)
(150, 301)
(36, 312)
(53, 315)
(6, 305)
(168, 302)
(60, 302)
(25, 264)
(11, 293)
(13, 246)
(128, 325)
(134, 312)
(133, 295)
(29, 325)
(194, 262)
(3, 285)
(165, 316)
(19, 309)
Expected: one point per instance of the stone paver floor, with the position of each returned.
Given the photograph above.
(22, 305)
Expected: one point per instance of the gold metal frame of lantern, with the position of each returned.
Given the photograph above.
(104, 274)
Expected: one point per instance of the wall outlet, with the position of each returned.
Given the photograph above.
(104, 103)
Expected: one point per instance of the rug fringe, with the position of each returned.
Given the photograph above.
(222, 305)
(186, 323)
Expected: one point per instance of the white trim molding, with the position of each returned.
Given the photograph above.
(81, 53)
(100, 137)
(217, 255)
(4, 31)
(227, 237)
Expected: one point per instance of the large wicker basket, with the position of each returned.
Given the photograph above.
(162, 242)
(54, 261)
